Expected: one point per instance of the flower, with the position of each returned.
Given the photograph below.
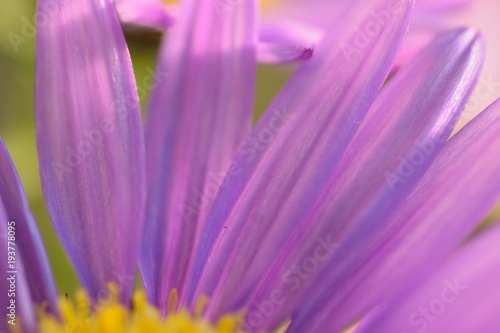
(345, 202)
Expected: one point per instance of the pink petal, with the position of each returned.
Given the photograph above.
(419, 106)
(292, 144)
(90, 141)
(28, 240)
(15, 299)
(452, 198)
(463, 296)
(200, 111)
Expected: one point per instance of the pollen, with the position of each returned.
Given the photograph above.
(110, 316)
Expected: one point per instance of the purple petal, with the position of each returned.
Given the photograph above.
(286, 42)
(370, 189)
(145, 13)
(270, 53)
(197, 118)
(292, 145)
(461, 297)
(29, 242)
(452, 198)
(420, 106)
(90, 142)
(15, 299)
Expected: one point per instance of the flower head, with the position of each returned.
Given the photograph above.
(348, 199)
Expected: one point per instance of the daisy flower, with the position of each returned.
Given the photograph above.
(346, 204)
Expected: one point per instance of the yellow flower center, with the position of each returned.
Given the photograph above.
(110, 316)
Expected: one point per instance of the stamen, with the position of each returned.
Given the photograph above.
(200, 306)
(110, 316)
(172, 301)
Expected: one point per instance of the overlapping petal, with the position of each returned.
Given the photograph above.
(15, 300)
(271, 53)
(286, 41)
(28, 240)
(482, 14)
(426, 228)
(293, 150)
(462, 297)
(418, 108)
(90, 141)
(197, 117)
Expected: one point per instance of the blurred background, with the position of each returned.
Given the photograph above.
(17, 117)
(17, 90)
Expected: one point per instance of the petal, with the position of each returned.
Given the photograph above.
(419, 107)
(482, 15)
(197, 117)
(270, 53)
(29, 242)
(90, 142)
(15, 293)
(145, 13)
(284, 42)
(292, 144)
(452, 198)
(431, 18)
(461, 297)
